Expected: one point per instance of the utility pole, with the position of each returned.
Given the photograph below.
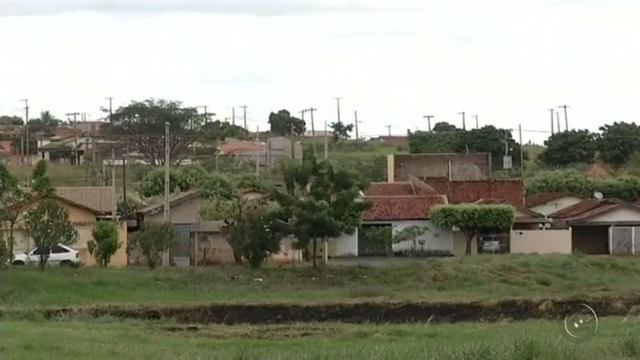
(389, 129)
(233, 115)
(313, 132)
(476, 117)
(464, 124)
(258, 151)
(326, 142)
(558, 120)
(338, 106)
(244, 115)
(26, 127)
(167, 169)
(551, 111)
(75, 134)
(521, 151)
(114, 212)
(428, 117)
(125, 164)
(355, 116)
(110, 107)
(566, 120)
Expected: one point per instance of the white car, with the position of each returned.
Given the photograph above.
(60, 255)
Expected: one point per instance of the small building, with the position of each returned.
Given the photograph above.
(455, 167)
(83, 219)
(605, 226)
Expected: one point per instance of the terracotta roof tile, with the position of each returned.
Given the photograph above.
(390, 189)
(398, 208)
(586, 208)
(99, 198)
(473, 190)
(543, 198)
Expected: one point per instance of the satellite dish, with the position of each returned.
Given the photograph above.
(598, 195)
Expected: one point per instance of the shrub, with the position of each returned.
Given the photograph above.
(105, 242)
(153, 240)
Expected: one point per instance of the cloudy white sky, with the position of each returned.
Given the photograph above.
(393, 61)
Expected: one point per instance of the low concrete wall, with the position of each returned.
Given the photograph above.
(541, 241)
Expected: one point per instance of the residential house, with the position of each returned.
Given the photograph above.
(469, 191)
(211, 246)
(398, 206)
(455, 167)
(549, 202)
(601, 226)
(83, 219)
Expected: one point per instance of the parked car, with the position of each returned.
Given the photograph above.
(492, 243)
(60, 255)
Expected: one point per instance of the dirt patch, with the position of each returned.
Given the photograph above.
(359, 313)
(275, 332)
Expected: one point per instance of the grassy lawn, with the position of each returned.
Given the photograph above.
(109, 339)
(89, 175)
(449, 279)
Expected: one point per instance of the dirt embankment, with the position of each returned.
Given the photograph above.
(359, 313)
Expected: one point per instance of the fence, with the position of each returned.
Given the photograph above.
(624, 240)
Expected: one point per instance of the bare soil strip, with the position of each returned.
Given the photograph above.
(355, 313)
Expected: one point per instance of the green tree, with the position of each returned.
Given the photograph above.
(378, 238)
(48, 224)
(11, 195)
(260, 234)
(340, 130)
(578, 184)
(410, 233)
(11, 120)
(322, 201)
(143, 122)
(192, 177)
(46, 124)
(473, 219)
(41, 183)
(283, 124)
(216, 131)
(152, 241)
(618, 142)
(105, 242)
(569, 148)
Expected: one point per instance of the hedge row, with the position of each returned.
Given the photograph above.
(576, 183)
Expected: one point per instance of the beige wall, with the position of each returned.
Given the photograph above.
(540, 241)
(460, 244)
(556, 205)
(117, 260)
(473, 166)
(619, 215)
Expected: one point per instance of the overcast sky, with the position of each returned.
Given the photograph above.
(392, 61)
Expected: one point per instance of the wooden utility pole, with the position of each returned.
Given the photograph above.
(26, 127)
(167, 184)
(558, 120)
(566, 119)
(428, 117)
(313, 132)
(244, 115)
(551, 111)
(355, 120)
(338, 106)
(233, 115)
(125, 164)
(476, 117)
(389, 129)
(110, 107)
(75, 134)
(464, 123)
(326, 142)
(114, 211)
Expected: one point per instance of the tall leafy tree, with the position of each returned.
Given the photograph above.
(617, 142)
(340, 130)
(144, 123)
(321, 203)
(45, 124)
(11, 120)
(41, 181)
(569, 148)
(216, 131)
(48, 224)
(11, 195)
(283, 124)
(473, 219)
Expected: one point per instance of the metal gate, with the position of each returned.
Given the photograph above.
(624, 240)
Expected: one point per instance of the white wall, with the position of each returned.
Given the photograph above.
(540, 241)
(437, 239)
(347, 245)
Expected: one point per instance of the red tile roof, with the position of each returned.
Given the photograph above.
(543, 198)
(398, 208)
(469, 191)
(5, 146)
(589, 208)
(390, 189)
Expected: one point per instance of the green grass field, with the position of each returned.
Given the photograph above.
(110, 339)
(441, 279)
